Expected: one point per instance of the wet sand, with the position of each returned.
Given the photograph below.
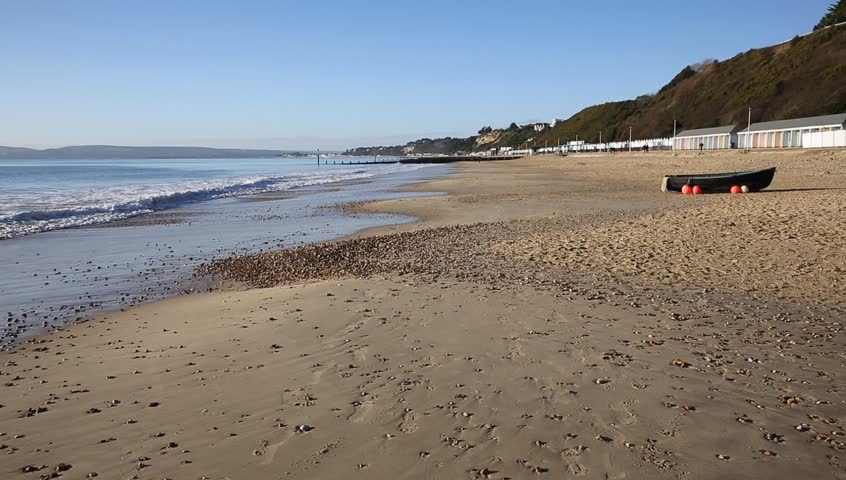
(549, 318)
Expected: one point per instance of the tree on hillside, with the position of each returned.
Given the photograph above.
(485, 130)
(836, 14)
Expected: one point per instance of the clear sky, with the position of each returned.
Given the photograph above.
(308, 74)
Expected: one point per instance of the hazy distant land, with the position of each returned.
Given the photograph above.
(123, 152)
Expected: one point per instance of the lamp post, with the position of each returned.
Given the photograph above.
(748, 130)
(674, 134)
(630, 138)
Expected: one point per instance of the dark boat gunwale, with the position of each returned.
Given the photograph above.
(756, 180)
(718, 175)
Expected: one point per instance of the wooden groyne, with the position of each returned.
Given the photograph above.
(417, 160)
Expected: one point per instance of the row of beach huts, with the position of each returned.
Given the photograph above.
(825, 131)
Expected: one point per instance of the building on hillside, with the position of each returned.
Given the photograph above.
(790, 133)
(716, 138)
(539, 127)
(554, 122)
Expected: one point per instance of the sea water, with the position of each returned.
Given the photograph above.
(87, 236)
(41, 195)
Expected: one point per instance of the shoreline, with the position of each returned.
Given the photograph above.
(75, 273)
(544, 318)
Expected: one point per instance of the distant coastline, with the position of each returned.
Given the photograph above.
(116, 152)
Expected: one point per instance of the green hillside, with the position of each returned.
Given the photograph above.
(805, 76)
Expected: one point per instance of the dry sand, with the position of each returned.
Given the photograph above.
(590, 326)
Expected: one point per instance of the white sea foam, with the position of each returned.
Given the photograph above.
(34, 212)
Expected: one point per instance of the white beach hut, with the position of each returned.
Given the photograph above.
(710, 138)
(805, 132)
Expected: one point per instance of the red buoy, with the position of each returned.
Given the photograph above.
(686, 190)
(735, 189)
(696, 190)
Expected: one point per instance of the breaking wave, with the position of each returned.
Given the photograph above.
(45, 211)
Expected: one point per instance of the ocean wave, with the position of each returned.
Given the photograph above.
(43, 212)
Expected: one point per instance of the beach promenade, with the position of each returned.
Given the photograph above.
(548, 317)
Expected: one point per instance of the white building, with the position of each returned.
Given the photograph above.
(619, 146)
(792, 133)
(716, 138)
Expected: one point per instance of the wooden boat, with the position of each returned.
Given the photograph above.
(720, 182)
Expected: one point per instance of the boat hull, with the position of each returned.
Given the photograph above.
(756, 180)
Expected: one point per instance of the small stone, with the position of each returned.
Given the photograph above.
(485, 472)
(32, 468)
(33, 411)
(537, 470)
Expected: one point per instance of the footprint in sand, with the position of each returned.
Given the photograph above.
(622, 414)
(364, 412)
(317, 375)
(268, 450)
(360, 354)
(408, 425)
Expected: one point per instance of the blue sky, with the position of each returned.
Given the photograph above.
(309, 74)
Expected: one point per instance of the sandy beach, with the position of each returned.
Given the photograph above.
(548, 317)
